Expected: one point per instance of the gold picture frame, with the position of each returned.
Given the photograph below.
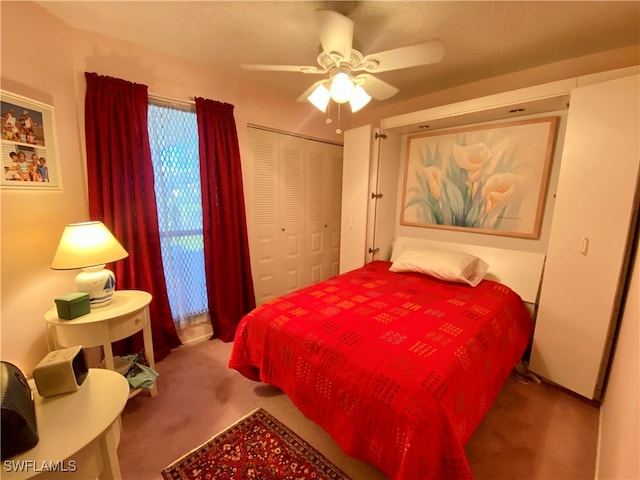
(28, 140)
(489, 179)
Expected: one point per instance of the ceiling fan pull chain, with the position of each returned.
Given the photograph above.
(328, 120)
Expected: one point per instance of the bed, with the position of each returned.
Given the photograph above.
(399, 368)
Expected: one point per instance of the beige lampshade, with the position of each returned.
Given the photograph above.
(86, 244)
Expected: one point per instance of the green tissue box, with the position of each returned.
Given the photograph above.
(73, 305)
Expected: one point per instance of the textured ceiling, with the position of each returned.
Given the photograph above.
(482, 39)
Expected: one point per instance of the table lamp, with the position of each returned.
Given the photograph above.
(90, 246)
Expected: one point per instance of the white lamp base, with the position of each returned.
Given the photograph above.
(99, 283)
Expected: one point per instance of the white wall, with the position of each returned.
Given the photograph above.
(619, 415)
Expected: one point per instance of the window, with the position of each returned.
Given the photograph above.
(173, 134)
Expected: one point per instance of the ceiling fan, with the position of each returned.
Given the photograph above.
(342, 63)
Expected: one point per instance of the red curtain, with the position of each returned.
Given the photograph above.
(121, 194)
(226, 247)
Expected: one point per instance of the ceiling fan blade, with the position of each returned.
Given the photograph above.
(411, 56)
(378, 89)
(285, 68)
(336, 32)
(309, 91)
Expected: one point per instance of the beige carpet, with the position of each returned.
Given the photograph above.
(531, 432)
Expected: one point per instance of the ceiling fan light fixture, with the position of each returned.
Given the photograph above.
(342, 88)
(320, 98)
(344, 64)
(359, 98)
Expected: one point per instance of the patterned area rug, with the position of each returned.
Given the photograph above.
(257, 447)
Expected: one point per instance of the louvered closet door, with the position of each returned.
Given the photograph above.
(323, 202)
(333, 187)
(292, 211)
(315, 226)
(268, 278)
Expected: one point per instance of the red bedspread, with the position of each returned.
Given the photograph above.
(399, 368)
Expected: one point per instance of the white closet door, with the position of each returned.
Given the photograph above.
(315, 205)
(333, 193)
(388, 170)
(292, 211)
(323, 193)
(591, 220)
(355, 194)
(266, 234)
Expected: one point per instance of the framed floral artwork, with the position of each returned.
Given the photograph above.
(488, 179)
(28, 140)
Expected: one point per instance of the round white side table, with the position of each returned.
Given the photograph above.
(128, 313)
(78, 432)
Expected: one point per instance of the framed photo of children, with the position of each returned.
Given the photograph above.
(28, 139)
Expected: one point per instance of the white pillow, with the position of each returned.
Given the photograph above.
(443, 264)
(397, 250)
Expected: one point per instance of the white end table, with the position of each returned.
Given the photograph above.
(78, 432)
(128, 313)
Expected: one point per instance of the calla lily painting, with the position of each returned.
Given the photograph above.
(486, 179)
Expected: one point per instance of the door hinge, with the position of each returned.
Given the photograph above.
(380, 135)
(376, 195)
(374, 250)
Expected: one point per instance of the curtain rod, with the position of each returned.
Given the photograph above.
(185, 103)
(292, 134)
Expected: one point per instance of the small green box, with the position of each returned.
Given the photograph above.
(73, 305)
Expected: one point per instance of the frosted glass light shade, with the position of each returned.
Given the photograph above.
(341, 88)
(320, 98)
(359, 98)
(89, 245)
